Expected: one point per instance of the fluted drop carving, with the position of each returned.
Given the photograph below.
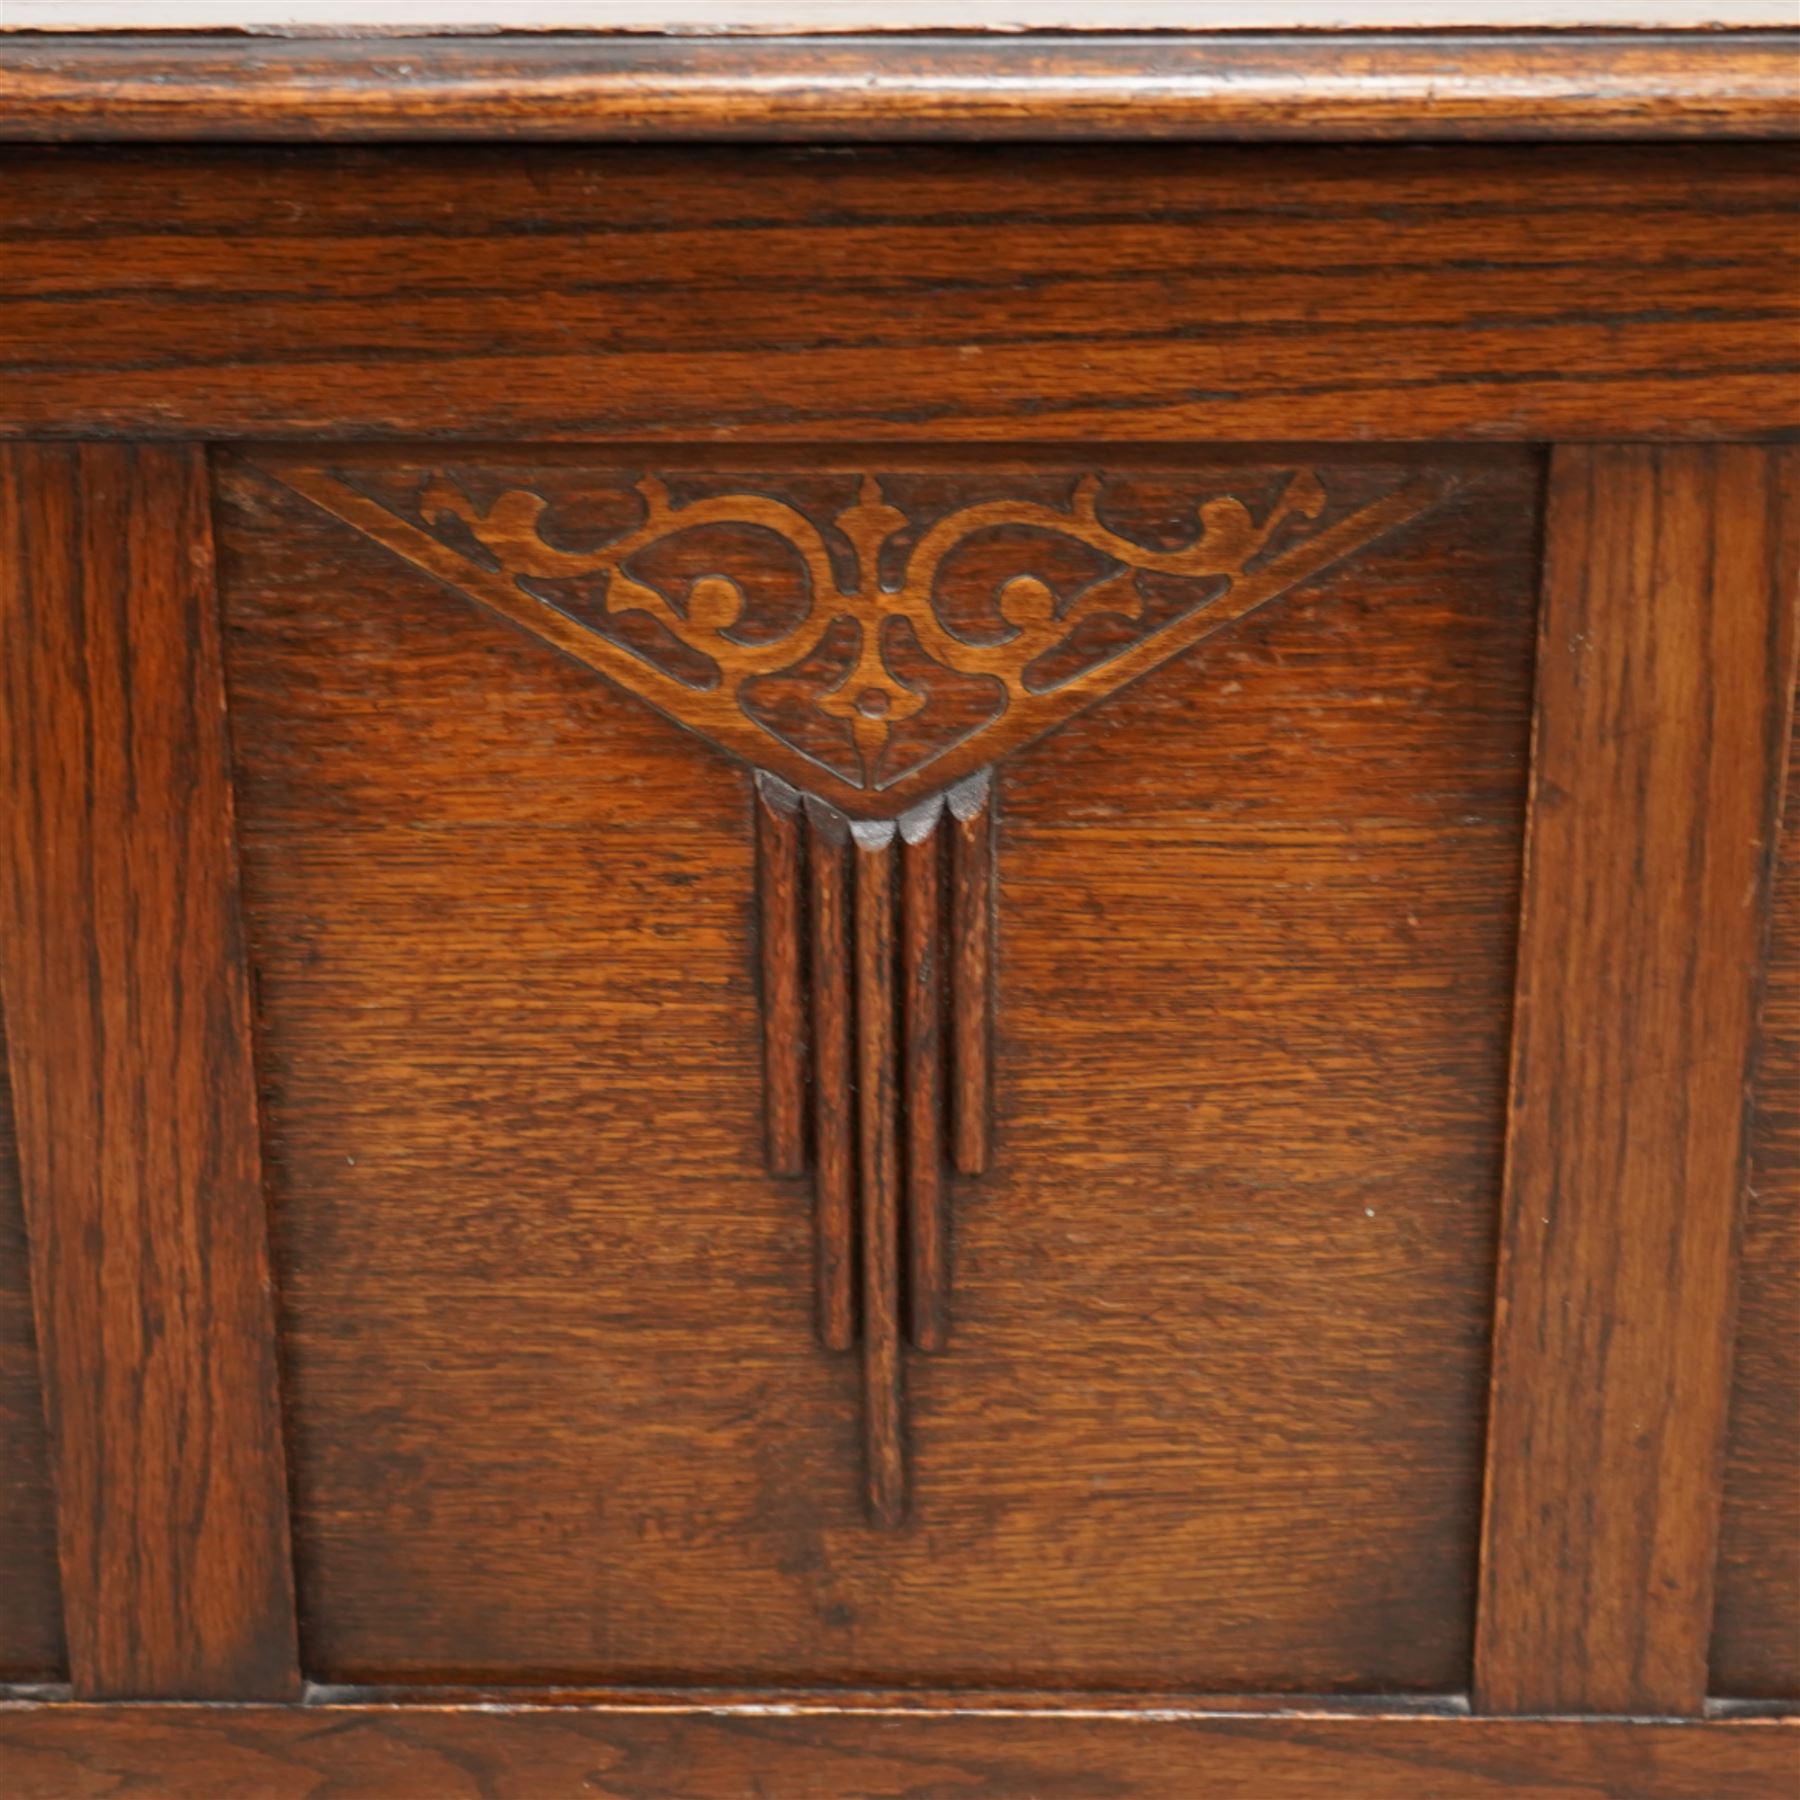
(893, 1040)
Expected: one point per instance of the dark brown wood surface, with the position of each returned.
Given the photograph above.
(874, 883)
(833, 1079)
(31, 1634)
(426, 1752)
(128, 1031)
(874, 635)
(649, 1059)
(780, 898)
(970, 830)
(1211, 1413)
(1756, 1624)
(1250, 85)
(922, 927)
(1665, 683)
(1176, 293)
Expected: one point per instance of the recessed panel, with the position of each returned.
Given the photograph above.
(1206, 1405)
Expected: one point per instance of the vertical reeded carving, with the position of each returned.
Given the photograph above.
(971, 953)
(783, 999)
(921, 979)
(893, 921)
(874, 922)
(878, 1166)
(834, 1165)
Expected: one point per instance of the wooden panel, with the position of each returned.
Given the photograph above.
(31, 1634)
(1141, 293)
(128, 1029)
(1389, 84)
(1665, 677)
(1756, 1626)
(520, 1753)
(1210, 1411)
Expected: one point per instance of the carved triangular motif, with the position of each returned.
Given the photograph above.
(871, 638)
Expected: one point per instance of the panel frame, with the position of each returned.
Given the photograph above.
(879, 1746)
(1510, 293)
(1665, 687)
(128, 1018)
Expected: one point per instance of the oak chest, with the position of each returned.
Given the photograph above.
(877, 919)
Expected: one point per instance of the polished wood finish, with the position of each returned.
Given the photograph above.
(1665, 688)
(31, 1635)
(1242, 1196)
(971, 833)
(826, 1752)
(128, 1028)
(778, 915)
(1756, 1613)
(927, 1230)
(834, 1118)
(973, 623)
(957, 295)
(967, 621)
(874, 859)
(793, 1278)
(1400, 84)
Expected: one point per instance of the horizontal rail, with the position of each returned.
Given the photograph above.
(1371, 85)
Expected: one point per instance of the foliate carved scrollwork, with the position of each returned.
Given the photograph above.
(871, 646)
(710, 614)
(865, 651)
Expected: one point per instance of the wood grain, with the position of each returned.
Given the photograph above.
(1211, 1415)
(127, 1010)
(1665, 680)
(874, 863)
(971, 834)
(967, 620)
(779, 899)
(922, 927)
(1167, 293)
(1756, 1614)
(31, 1631)
(825, 1752)
(1560, 84)
(834, 1085)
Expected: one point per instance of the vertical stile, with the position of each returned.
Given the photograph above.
(1665, 678)
(126, 986)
